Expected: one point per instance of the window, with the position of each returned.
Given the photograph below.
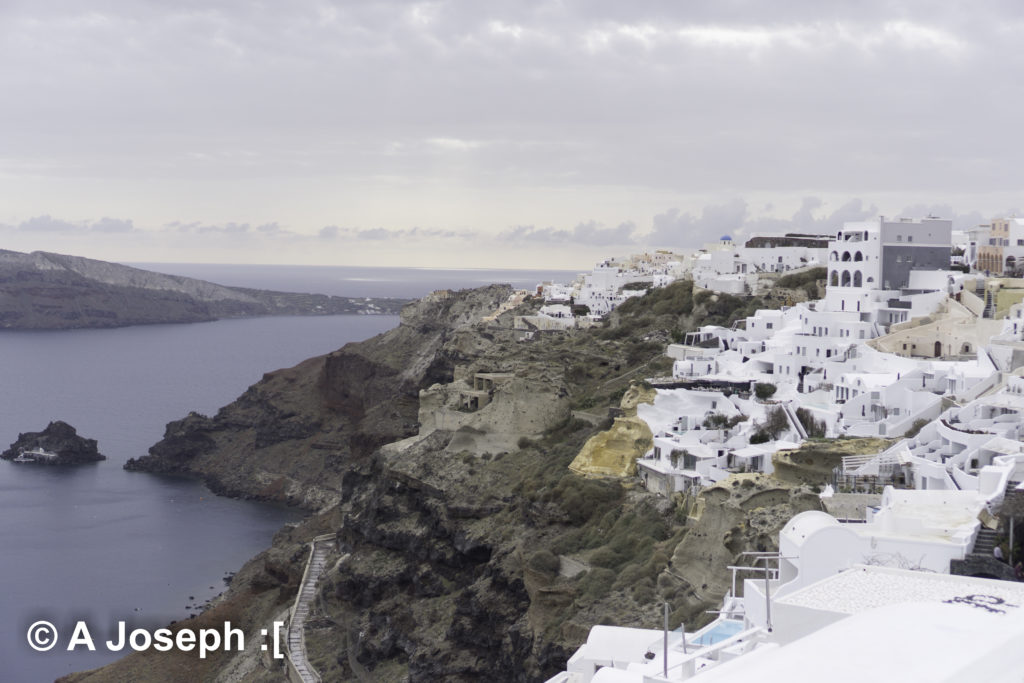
(899, 238)
(769, 325)
(910, 238)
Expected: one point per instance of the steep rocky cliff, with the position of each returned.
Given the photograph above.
(463, 555)
(54, 291)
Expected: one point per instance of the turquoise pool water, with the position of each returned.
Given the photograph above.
(717, 632)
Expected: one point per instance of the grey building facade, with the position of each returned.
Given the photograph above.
(914, 245)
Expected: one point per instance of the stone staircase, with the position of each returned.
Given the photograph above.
(985, 542)
(303, 603)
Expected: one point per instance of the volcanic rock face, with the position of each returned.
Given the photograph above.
(464, 553)
(59, 438)
(293, 436)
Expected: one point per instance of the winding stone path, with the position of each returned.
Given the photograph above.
(322, 547)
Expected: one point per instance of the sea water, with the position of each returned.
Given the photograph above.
(100, 544)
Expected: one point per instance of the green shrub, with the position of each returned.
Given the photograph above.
(764, 390)
(775, 422)
(581, 498)
(596, 583)
(722, 421)
(643, 592)
(915, 428)
(797, 280)
(606, 557)
(815, 428)
(545, 562)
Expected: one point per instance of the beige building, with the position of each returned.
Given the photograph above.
(990, 256)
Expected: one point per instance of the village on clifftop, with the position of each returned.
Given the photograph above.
(916, 338)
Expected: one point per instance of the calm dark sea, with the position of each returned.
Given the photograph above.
(98, 543)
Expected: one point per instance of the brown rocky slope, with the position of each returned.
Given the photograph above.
(460, 557)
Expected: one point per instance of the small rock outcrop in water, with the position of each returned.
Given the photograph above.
(59, 438)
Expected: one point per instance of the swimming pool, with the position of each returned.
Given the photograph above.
(717, 631)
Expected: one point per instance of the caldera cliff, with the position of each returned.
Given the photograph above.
(47, 291)
(436, 456)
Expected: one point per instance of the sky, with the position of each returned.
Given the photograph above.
(493, 133)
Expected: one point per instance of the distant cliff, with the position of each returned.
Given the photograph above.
(46, 291)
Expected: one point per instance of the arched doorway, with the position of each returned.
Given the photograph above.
(938, 349)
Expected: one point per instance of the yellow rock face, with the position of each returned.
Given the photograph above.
(613, 453)
(634, 396)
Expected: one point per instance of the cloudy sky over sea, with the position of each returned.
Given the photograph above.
(505, 133)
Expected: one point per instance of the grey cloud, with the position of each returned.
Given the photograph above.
(809, 219)
(384, 234)
(841, 96)
(960, 221)
(675, 228)
(227, 228)
(231, 228)
(680, 229)
(113, 225)
(46, 223)
(590, 233)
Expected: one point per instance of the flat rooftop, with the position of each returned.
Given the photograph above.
(864, 588)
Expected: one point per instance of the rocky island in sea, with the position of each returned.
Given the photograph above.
(58, 444)
(47, 291)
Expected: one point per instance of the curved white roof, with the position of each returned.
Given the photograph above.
(806, 523)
